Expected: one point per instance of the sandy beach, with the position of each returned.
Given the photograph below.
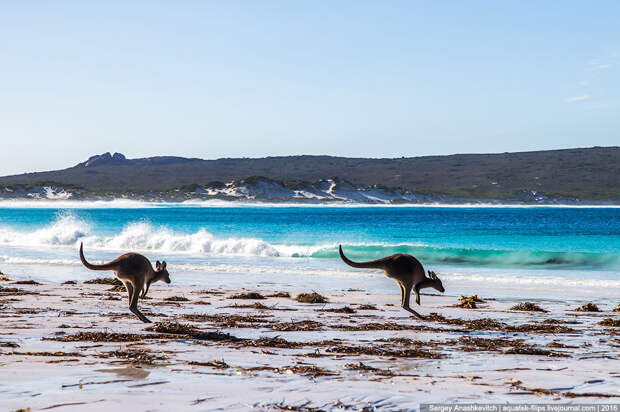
(77, 347)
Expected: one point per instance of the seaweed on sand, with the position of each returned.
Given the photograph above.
(4, 291)
(365, 368)
(528, 307)
(117, 288)
(257, 306)
(616, 309)
(100, 337)
(279, 295)
(172, 327)
(306, 370)
(69, 282)
(588, 307)
(141, 356)
(26, 282)
(310, 298)
(227, 320)
(385, 350)
(59, 354)
(492, 324)
(304, 407)
(503, 345)
(273, 342)
(303, 325)
(175, 329)
(367, 307)
(472, 344)
(216, 364)
(468, 302)
(176, 299)
(610, 322)
(248, 295)
(532, 350)
(539, 328)
(104, 281)
(387, 326)
(344, 309)
(556, 344)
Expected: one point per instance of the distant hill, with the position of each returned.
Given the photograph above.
(574, 175)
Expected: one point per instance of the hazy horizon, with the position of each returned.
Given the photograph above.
(353, 79)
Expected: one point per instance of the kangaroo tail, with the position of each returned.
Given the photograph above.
(374, 264)
(106, 266)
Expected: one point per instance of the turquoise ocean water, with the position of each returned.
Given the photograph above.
(544, 250)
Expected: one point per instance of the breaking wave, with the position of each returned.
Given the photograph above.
(68, 231)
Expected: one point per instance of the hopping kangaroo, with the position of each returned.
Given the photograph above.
(136, 273)
(407, 271)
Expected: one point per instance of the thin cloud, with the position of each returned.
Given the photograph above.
(577, 98)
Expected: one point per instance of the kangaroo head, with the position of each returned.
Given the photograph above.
(162, 272)
(437, 285)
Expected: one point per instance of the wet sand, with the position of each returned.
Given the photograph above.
(77, 347)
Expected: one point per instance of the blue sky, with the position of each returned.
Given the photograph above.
(262, 78)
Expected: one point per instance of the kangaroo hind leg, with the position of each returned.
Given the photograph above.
(405, 304)
(133, 306)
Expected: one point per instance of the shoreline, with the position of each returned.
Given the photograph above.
(265, 354)
(122, 203)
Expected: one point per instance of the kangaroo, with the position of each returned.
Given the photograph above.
(136, 273)
(407, 271)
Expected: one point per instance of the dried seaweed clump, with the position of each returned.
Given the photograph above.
(69, 282)
(26, 282)
(279, 295)
(172, 327)
(588, 307)
(385, 350)
(610, 322)
(304, 325)
(14, 292)
(176, 299)
(367, 307)
(528, 307)
(532, 350)
(248, 295)
(310, 298)
(344, 309)
(255, 305)
(175, 328)
(117, 288)
(616, 309)
(274, 342)
(216, 364)
(468, 302)
(99, 337)
(139, 356)
(104, 281)
(366, 368)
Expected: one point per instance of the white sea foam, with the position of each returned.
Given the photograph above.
(65, 231)
(68, 230)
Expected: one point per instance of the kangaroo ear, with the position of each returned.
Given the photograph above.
(157, 264)
(163, 264)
